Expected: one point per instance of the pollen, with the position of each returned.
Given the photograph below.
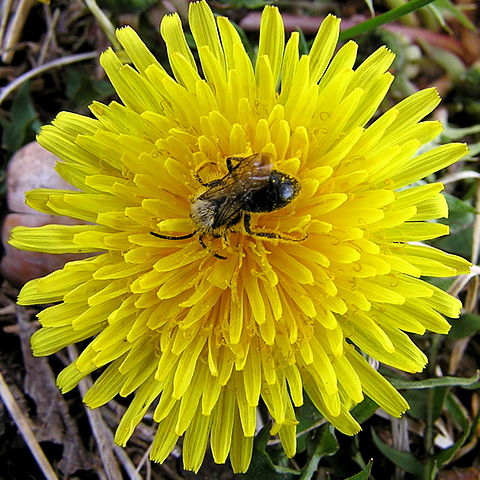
(253, 236)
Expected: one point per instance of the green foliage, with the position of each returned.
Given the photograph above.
(448, 61)
(460, 220)
(449, 7)
(466, 427)
(464, 100)
(429, 400)
(326, 445)
(303, 45)
(386, 17)
(465, 326)
(364, 474)
(82, 89)
(262, 466)
(369, 4)
(364, 410)
(307, 416)
(405, 460)
(23, 122)
(434, 382)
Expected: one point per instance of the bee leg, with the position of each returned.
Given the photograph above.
(171, 237)
(202, 243)
(246, 222)
(228, 161)
(196, 174)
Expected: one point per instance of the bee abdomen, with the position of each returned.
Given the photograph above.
(204, 213)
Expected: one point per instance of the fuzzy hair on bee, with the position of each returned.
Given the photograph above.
(250, 186)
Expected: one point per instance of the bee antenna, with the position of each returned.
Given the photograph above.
(172, 237)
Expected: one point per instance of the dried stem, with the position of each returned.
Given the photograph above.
(104, 22)
(58, 62)
(15, 28)
(25, 429)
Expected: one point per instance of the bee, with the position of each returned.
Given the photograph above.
(250, 186)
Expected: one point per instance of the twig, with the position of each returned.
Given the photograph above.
(170, 472)
(455, 177)
(23, 425)
(14, 29)
(104, 437)
(127, 464)
(104, 22)
(460, 282)
(144, 459)
(312, 464)
(52, 22)
(6, 6)
(58, 62)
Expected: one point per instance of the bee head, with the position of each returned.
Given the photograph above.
(283, 188)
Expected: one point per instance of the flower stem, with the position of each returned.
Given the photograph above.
(384, 18)
(58, 62)
(326, 445)
(105, 23)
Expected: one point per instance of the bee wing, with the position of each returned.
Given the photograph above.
(248, 175)
(228, 212)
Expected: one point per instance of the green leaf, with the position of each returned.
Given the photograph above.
(451, 63)
(23, 123)
(262, 466)
(460, 221)
(452, 133)
(428, 406)
(190, 40)
(370, 6)
(460, 213)
(302, 44)
(439, 17)
(364, 410)
(380, 20)
(308, 417)
(364, 474)
(457, 207)
(459, 243)
(473, 150)
(436, 397)
(405, 460)
(81, 88)
(418, 404)
(434, 382)
(457, 411)
(468, 324)
(456, 12)
(326, 445)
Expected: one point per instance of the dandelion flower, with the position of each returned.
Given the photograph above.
(202, 317)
